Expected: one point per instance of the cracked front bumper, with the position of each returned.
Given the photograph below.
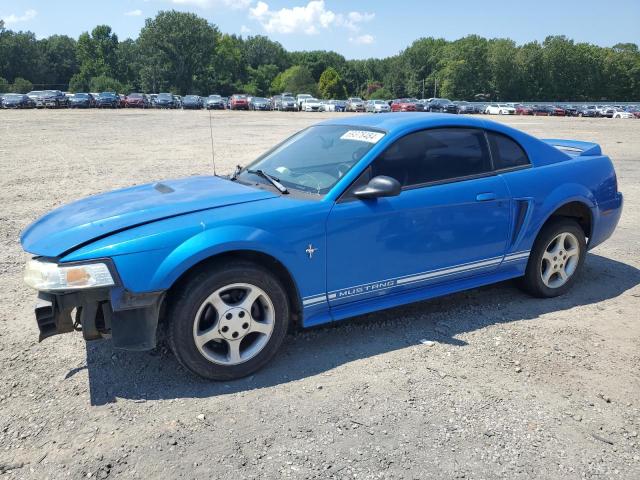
(130, 320)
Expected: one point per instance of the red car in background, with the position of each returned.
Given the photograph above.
(403, 105)
(558, 111)
(523, 110)
(239, 102)
(136, 100)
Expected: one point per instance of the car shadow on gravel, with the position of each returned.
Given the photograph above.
(156, 375)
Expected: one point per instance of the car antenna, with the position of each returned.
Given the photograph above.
(213, 152)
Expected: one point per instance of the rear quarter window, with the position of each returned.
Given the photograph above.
(506, 152)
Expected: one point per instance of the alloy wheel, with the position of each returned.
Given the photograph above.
(560, 260)
(233, 324)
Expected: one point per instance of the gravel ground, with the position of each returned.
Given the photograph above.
(484, 384)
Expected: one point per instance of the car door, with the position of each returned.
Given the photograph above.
(450, 221)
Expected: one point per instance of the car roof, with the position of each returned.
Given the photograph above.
(392, 122)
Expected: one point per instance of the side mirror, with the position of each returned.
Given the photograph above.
(380, 186)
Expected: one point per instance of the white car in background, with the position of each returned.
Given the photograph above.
(500, 109)
(377, 106)
(312, 105)
(300, 98)
(622, 114)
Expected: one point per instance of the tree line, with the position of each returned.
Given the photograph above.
(185, 54)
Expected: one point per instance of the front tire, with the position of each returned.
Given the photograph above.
(556, 259)
(228, 321)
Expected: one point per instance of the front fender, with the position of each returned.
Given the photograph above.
(213, 242)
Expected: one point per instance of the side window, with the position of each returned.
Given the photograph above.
(434, 155)
(506, 152)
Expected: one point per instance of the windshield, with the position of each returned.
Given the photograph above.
(13, 96)
(191, 97)
(165, 96)
(135, 95)
(288, 99)
(314, 159)
(214, 97)
(81, 95)
(107, 94)
(259, 100)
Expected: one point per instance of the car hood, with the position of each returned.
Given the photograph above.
(83, 221)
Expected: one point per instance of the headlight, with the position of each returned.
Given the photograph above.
(51, 276)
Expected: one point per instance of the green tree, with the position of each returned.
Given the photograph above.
(98, 52)
(296, 79)
(260, 79)
(381, 94)
(260, 50)
(331, 84)
(102, 83)
(177, 49)
(59, 61)
(4, 85)
(20, 85)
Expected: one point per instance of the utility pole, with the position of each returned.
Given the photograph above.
(435, 89)
(423, 88)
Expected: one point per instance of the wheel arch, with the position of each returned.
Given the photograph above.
(259, 258)
(576, 209)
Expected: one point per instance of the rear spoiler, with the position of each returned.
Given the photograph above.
(574, 147)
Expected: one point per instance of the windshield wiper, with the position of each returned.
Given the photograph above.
(273, 180)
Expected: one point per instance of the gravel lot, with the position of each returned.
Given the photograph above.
(480, 385)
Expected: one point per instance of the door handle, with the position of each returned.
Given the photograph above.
(485, 197)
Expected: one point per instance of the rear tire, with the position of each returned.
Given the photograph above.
(556, 259)
(228, 321)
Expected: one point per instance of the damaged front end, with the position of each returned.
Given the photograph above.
(70, 300)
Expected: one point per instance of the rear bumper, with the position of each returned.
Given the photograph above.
(130, 320)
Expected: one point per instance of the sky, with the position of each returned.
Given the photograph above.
(354, 28)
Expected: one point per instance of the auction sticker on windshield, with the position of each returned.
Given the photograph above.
(362, 136)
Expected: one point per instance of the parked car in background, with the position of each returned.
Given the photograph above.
(465, 107)
(587, 111)
(54, 99)
(152, 99)
(108, 100)
(214, 102)
(403, 105)
(355, 104)
(500, 109)
(442, 105)
(606, 111)
(620, 113)
(312, 104)
(37, 97)
(420, 107)
(287, 104)
(301, 97)
(178, 101)
(17, 100)
(165, 100)
(192, 102)
(136, 100)
(260, 103)
(542, 110)
(238, 102)
(339, 105)
(557, 111)
(356, 214)
(377, 106)
(82, 100)
(523, 109)
(570, 110)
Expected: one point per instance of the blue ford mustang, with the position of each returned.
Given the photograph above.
(346, 217)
